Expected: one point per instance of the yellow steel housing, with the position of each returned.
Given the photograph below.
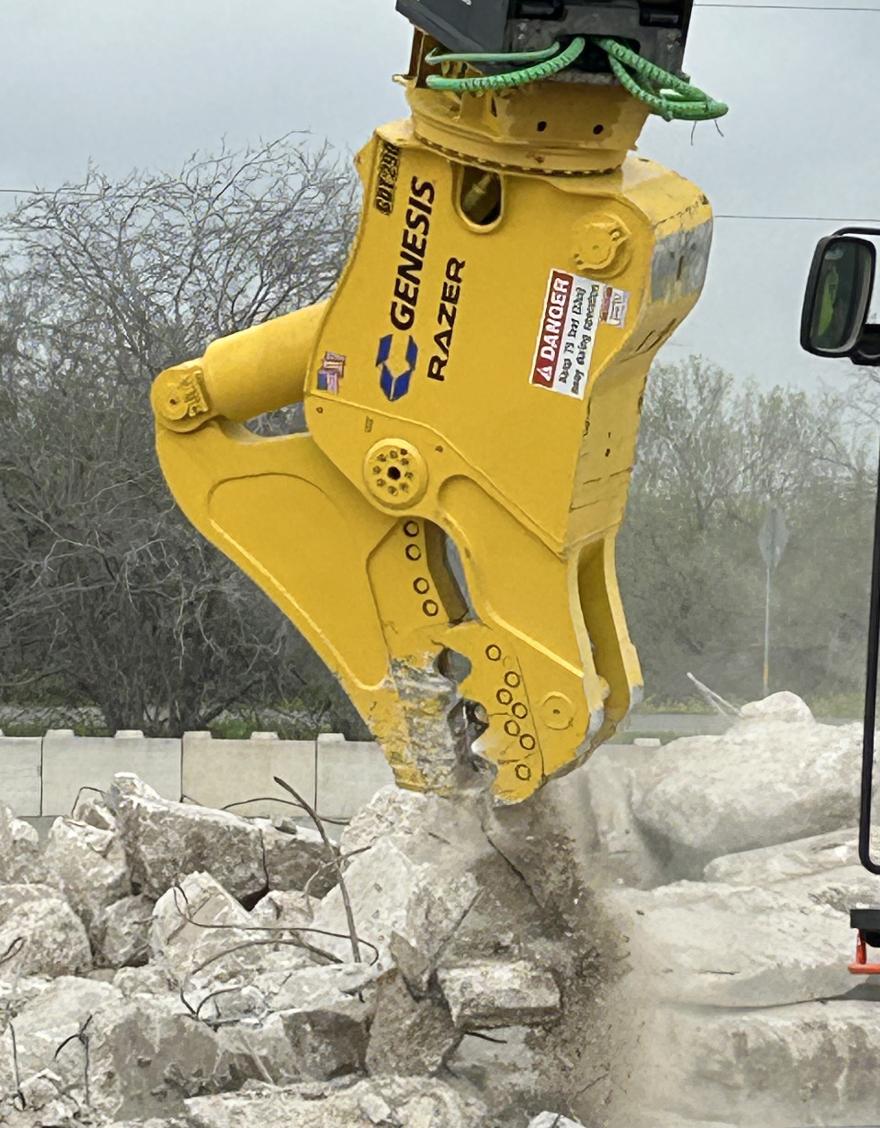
(451, 392)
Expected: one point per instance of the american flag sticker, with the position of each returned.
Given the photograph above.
(331, 372)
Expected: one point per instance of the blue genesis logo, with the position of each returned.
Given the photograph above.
(396, 385)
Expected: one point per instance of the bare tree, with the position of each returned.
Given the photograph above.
(713, 454)
(106, 590)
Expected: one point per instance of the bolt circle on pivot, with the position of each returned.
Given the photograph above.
(395, 473)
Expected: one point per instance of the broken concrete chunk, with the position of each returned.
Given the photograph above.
(553, 1120)
(121, 933)
(199, 929)
(255, 1052)
(298, 860)
(88, 865)
(787, 860)
(206, 941)
(310, 987)
(783, 706)
(485, 994)
(291, 909)
(408, 1036)
(394, 1101)
(164, 840)
(724, 945)
(147, 1054)
(328, 1041)
(391, 892)
(58, 1014)
(813, 1063)
(325, 1013)
(41, 1091)
(151, 979)
(763, 782)
(15, 994)
(506, 1068)
(19, 849)
(624, 852)
(390, 811)
(40, 934)
(93, 810)
(41, 1101)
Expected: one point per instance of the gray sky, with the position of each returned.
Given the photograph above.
(145, 84)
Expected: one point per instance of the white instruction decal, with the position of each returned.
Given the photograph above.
(572, 313)
(614, 307)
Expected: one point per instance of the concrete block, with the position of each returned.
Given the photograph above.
(349, 774)
(217, 773)
(20, 765)
(71, 762)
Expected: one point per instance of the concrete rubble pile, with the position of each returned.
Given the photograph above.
(168, 965)
(658, 940)
(733, 864)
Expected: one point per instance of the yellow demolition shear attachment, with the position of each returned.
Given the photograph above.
(444, 533)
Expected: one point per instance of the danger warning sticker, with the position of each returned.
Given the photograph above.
(573, 310)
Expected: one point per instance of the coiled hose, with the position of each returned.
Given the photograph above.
(666, 94)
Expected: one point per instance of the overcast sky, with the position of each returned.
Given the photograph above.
(144, 84)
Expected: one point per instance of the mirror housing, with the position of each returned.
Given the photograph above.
(838, 295)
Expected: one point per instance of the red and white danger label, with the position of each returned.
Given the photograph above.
(573, 311)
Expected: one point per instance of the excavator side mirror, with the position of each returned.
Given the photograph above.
(838, 295)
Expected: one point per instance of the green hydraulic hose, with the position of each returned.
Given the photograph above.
(664, 93)
(522, 77)
(436, 57)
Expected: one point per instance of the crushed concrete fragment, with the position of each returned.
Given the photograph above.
(41, 1090)
(325, 1014)
(259, 1051)
(290, 909)
(150, 979)
(164, 840)
(147, 1054)
(765, 781)
(48, 1021)
(422, 900)
(782, 706)
(19, 849)
(553, 1120)
(88, 865)
(298, 860)
(40, 934)
(40, 1102)
(310, 986)
(812, 1063)
(93, 810)
(390, 811)
(623, 850)
(488, 993)
(788, 860)
(733, 946)
(15, 994)
(201, 934)
(121, 933)
(408, 1036)
(505, 1061)
(401, 1102)
(328, 1040)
